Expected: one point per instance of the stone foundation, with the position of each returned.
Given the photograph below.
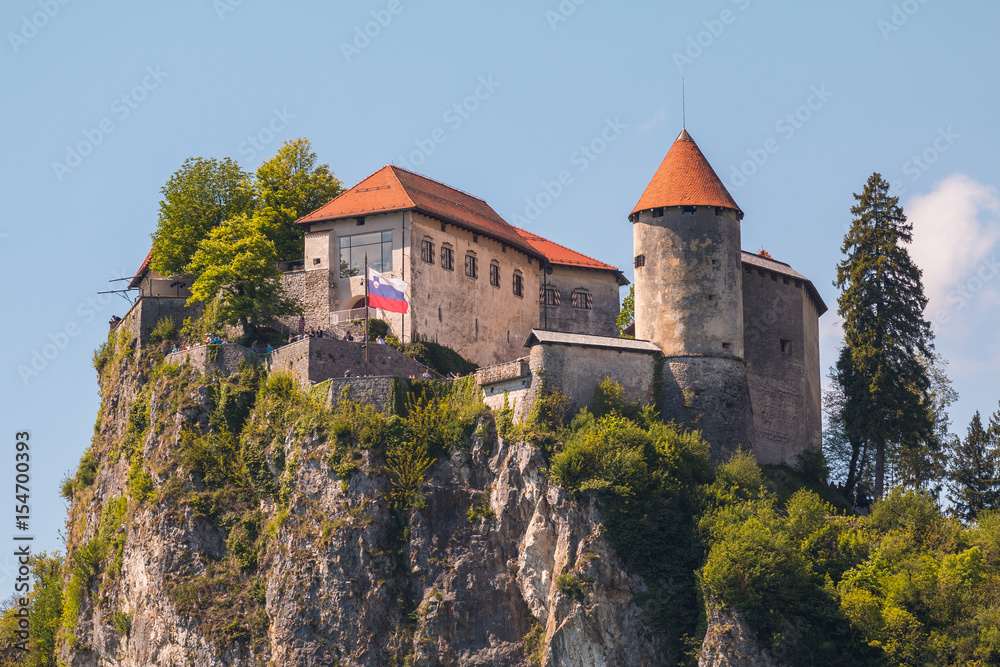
(712, 395)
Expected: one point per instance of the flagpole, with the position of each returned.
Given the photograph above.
(366, 310)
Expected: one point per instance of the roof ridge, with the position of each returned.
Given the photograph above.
(428, 178)
(766, 259)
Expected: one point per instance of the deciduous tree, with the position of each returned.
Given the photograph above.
(198, 198)
(237, 264)
(288, 186)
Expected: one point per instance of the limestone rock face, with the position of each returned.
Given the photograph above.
(729, 642)
(344, 579)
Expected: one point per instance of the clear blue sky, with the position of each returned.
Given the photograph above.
(134, 89)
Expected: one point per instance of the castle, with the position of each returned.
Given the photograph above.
(725, 340)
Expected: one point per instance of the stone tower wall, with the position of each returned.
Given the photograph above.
(688, 299)
(782, 355)
(710, 394)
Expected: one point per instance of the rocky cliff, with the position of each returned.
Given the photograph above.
(213, 523)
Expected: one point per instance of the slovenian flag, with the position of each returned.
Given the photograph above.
(386, 293)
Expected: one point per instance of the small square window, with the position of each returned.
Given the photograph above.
(549, 296)
(316, 260)
(583, 300)
(640, 261)
(688, 210)
(786, 346)
(658, 212)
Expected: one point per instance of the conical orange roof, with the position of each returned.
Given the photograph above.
(685, 178)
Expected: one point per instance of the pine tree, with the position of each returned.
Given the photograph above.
(973, 470)
(882, 305)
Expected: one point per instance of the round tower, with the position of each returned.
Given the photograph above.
(689, 297)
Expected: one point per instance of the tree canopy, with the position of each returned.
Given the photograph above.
(237, 264)
(287, 187)
(203, 193)
(198, 198)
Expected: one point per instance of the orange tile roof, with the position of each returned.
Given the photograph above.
(392, 188)
(563, 256)
(143, 270)
(685, 178)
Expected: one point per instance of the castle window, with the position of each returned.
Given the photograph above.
(718, 210)
(798, 284)
(518, 284)
(711, 297)
(360, 221)
(583, 300)
(475, 238)
(471, 266)
(549, 296)
(688, 210)
(727, 346)
(658, 212)
(784, 280)
(774, 277)
(353, 248)
(316, 260)
(495, 274)
(786, 346)
(443, 228)
(447, 258)
(427, 251)
(640, 261)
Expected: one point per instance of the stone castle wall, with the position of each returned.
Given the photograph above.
(142, 317)
(224, 359)
(601, 320)
(713, 396)
(575, 370)
(312, 289)
(782, 354)
(374, 391)
(314, 360)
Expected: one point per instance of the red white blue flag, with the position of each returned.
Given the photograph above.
(386, 293)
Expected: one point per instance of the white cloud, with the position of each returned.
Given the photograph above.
(956, 242)
(656, 119)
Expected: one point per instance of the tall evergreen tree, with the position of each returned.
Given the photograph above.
(973, 469)
(846, 407)
(882, 306)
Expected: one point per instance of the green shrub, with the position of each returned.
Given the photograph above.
(812, 464)
(122, 622)
(104, 353)
(377, 327)
(481, 511)
(165, 329)
(570, 586)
